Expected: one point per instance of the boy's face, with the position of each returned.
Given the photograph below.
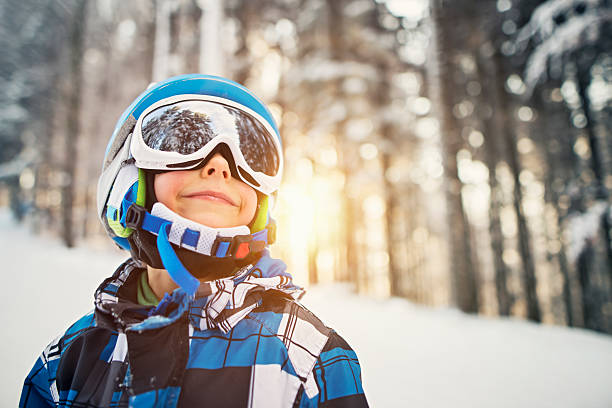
(209, 196)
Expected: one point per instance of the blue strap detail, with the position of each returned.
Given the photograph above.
(261, 235)
(179, 274)
(122, 242)
(128, 199)
(152, 223)
(111, 212)
(222, 249)
(190, 237)
(125, 204)
(161, 307)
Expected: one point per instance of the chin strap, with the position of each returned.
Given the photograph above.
(172, 228)
(179, 274)
(125, 212)
(233, 242)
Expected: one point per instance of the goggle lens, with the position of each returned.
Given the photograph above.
(186, 127)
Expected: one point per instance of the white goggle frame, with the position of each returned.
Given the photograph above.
(151, 159)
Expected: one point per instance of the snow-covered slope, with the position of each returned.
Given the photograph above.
(411, 356)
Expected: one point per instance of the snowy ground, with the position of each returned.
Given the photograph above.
(411, 356)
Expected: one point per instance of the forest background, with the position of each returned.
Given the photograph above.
(448, 152)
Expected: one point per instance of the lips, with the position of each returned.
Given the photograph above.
(212, 196)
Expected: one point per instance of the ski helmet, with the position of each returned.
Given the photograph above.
(178, 124)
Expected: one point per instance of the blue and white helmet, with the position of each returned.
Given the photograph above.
(150, 135)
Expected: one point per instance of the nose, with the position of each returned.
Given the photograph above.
(217, 166)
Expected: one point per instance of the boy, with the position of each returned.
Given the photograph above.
(200, 315)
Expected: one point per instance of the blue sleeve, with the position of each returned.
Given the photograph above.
(338, 377)
(36, 390)
(40, 387)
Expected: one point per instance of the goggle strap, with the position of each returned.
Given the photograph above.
(261, 217)
(141, 193)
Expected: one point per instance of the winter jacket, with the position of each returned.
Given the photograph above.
(246, 342)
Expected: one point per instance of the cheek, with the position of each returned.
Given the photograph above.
(249, 203)
(166, 187)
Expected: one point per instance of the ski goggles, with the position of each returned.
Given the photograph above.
(180, 132)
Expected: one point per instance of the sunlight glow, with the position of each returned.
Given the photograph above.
(368, 151)
(310, 217)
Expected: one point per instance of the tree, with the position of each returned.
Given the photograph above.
(464, 280)
(75, 73)
(563, 39)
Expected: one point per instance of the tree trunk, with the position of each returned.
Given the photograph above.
(246, 15)
(492, 130)
(211, 51)
(599, 169)
(594, 263)
(552, 129)
(336, 47)
(462, 268)
(390, 201)
(386, 132)
(524, 239)
(583, 80)
(161, 50)
(586, 266)
(15, 198)
(77, 36)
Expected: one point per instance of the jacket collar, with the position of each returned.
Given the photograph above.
(218, 304)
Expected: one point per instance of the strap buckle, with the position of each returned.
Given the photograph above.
(237, 247)
(134, 216)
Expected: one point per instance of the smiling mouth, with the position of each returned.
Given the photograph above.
(212, 196)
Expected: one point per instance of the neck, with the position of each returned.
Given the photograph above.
(160, 281)
(204, 269)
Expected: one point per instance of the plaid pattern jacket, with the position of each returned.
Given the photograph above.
(123, 354)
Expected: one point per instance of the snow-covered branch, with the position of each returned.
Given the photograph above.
(583, 227)
(543, 22)
(578, 32)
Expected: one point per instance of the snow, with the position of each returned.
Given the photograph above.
(543, 17)
(413, 10)
(578, 32)
(553, 40)
(411, 355)
(583, 227)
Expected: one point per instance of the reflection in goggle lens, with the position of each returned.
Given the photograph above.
(185, 127)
